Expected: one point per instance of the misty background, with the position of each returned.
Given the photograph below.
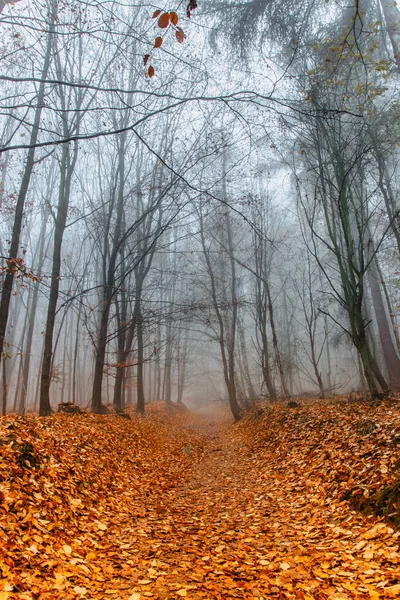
(224, 228)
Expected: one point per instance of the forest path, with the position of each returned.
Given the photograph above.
(206, 534)
(178, 505)
(234, 529)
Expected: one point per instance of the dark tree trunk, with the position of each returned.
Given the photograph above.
(101, 347)
(67, 169)
(278, 358)
(26, 178)
(4, 398)
(140, 402)
(75, 360)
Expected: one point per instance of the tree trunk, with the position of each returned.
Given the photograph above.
(373, 376)
(67, 168)
(246, 371)
(392, 21)
(121, 353)
(140, 402)
(26, 178)
(278, 359)
(100, 357)
(76, 351)
(21, 346)
(32, 316)
(4, 398)
(389, 350)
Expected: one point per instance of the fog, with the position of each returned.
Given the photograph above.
(212, 217)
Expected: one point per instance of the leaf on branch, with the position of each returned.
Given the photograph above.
(145, 59)
(158, 42)
(173, 17)
(163, 21)
(156, 13)
(180, 36)
(150, 71)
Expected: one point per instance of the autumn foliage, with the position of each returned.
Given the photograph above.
(166, 20)
(66, 482)
(289, 503)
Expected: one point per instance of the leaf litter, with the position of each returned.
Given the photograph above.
(289, 503)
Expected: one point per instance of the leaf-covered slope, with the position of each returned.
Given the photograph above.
(64, 477)
(316, 463)
(347, 451)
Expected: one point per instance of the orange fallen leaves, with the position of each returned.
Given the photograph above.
(99, 507)
(69, 485)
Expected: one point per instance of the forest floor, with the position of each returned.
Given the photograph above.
(181, 505)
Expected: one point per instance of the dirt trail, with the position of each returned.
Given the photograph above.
(234, 530)
(200, 532)
(196, 511)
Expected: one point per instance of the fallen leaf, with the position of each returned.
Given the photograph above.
(392, 591)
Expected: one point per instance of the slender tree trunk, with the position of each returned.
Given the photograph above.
(140, 403)
(149, 386)
(314, 362)
(372, 374)
(392, 21)
(389, 307)
(100, 357)
(75, 355)
(385, 186)
(157, 371)
(26, 178)
(182, 365)
(278, 359)
(246, 370)
(64, 359)
(21, 346)
(4, 398)
(125, 349)
(32, 316)
(129, 386)
(121, 353)
(67, 169)
(109, 282)
(389, 350)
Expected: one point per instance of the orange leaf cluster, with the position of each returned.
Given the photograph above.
(164, 20)
(19, 269)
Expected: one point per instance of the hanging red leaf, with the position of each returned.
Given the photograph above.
(179, 34)
(158, 42)
(150, 71)
(146, 58)
(173, 17)
(163, 21)
(156, 13)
